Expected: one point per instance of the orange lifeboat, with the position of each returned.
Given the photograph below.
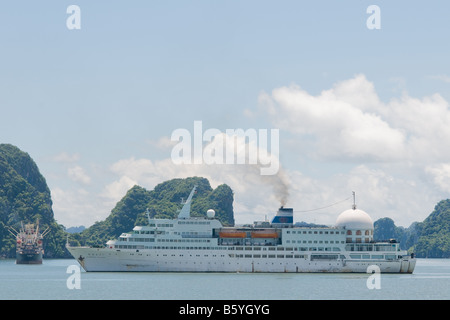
(232, 234)
(264, 234)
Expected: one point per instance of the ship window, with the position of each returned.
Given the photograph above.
(324, 257)
(358, 232)
(366, 233)
(349, 232)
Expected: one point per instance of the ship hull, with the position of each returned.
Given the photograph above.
(28, 258)
(112, 260)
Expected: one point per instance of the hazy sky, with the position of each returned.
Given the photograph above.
(357, 109)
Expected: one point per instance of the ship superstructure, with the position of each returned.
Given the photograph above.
(29, 245)
(192, 244)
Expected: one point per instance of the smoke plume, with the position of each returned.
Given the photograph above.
(280, 185)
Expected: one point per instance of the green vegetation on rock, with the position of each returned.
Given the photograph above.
(427, 239)
(434, 239)
(25, 197)
(163, 202)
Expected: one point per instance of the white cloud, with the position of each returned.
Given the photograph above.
(65, 157)
(342, 120)
(135, 169)
(117, 189)
(441, 175)
(251, 189)
(441, 77)
(78, 174)
(393, 154)
(388, 146)
(162, 143)
(349, 122)
(76, 207)
(426, 123)
(379, 193)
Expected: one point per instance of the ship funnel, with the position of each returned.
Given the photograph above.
(284, 217)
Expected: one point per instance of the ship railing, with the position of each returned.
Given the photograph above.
(385, 241)
(196, 236)
(371, 247)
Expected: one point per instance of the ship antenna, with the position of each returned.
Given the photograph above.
(37, 227)
(354, 200)
(148, 215)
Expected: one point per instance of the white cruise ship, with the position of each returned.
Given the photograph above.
(189, 244)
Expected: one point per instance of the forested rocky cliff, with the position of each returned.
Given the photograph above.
(25, 197)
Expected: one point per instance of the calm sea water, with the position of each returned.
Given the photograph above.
(430, 280)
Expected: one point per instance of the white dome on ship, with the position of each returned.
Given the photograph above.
(354, 219)
(210, 213)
